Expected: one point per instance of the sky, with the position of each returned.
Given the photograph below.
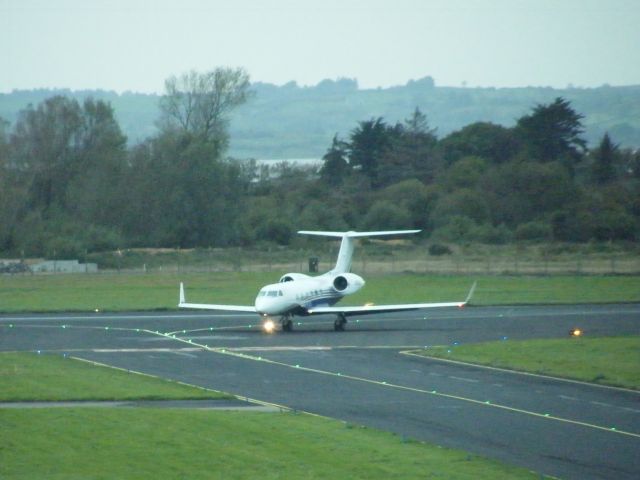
(134, 45)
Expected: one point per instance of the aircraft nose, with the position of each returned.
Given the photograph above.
(262, 305)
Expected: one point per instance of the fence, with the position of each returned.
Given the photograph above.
(445, 265)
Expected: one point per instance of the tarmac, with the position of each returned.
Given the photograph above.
(367, 375)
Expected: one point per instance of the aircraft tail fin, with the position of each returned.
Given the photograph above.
(343, 264)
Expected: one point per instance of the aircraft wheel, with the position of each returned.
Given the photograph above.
(287, 325)
(339, 324)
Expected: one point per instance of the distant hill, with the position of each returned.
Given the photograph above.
(299, 122)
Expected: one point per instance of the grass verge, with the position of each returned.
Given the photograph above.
(611, 361)
(121, 292)
(156, 443)
(32, 377)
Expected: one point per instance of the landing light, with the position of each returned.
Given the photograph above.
(269, 326)
(576, 332)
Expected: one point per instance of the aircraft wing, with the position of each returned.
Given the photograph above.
(210, 306)
(366, 309)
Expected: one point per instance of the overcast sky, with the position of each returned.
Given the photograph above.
(136, 44)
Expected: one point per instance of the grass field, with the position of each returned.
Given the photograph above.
(31, 377)
(160, 291)
(92, 443)
(606, 360)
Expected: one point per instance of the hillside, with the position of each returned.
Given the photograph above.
(299, 122)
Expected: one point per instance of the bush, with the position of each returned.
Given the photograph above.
(487, 233)
(437, 249)
(386, 216)
(536, 231)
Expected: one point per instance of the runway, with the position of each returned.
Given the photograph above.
(364, 375)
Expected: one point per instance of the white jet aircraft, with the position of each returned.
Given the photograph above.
(300, 294)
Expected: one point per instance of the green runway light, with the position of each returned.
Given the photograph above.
(434, 391)
(297, 366)
(546, 414)
(210, 328)
(64, 326)
(11, 325)
(488, 402)
(106, 328)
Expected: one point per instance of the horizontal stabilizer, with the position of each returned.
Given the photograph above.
(357, 234)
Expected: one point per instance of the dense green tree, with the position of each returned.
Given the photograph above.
(384, 216)
(368, 142)
(335, 166)
(188, 197)
(520, 191)
(494, 143)
(604, 161)
(45, 144)
(99, 167)
(412, 153)
(553, 132)
(414, 197)
(463, 202)
(465, 173)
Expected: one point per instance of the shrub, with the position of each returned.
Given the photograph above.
(437, 249)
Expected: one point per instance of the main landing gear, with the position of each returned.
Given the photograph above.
(287, 323)
(340, 322)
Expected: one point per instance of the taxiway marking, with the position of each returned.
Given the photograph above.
(484, 403)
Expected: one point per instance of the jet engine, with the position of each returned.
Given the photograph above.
(347, 283)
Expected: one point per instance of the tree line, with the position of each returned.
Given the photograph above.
(70, 183)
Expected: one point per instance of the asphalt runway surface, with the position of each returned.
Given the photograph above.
(364, 376)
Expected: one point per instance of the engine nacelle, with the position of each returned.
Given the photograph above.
(347, 283)
(291, 277)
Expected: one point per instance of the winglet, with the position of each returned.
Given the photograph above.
(473, 289)
(182, 300)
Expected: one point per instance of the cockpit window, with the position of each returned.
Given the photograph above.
(273, 293)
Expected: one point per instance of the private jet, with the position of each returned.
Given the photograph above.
(303, 295)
